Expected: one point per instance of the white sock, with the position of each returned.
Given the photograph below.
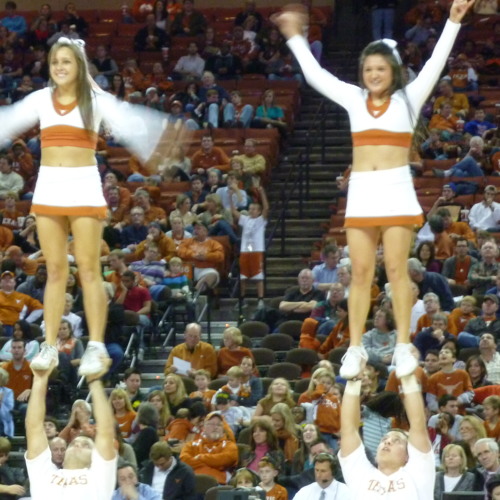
(95, 343)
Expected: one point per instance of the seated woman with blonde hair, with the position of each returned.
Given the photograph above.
(454, 475)
(232, 353)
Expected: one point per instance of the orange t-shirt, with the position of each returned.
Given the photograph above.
(455, 383)
(457, 320)
(19, 380)
(206, 396)
(492, 431)
(327, 411)
(179, 429)
(277, 492)
(125, 423)
(394, 383)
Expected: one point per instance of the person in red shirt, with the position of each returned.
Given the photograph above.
(138, 299)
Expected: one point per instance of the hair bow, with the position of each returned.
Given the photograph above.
(72, 41)
(393, 44)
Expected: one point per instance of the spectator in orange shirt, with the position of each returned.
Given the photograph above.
(458, 102)
(444, 122)
(122, 410)
(22, 160)
(14, 304)
(24, 265)
(20, 375)
(199, 354)
(209, 156)
(456, 229)
(431, 306)
(205, 254)
(491, 407)
(448, 380)
(461, 315)
(443, 243)
(232, 353)
(166, 245)
(213, 453)
(202, 379)
(133, 77)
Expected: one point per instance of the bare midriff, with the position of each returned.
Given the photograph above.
(67, 156)
(369, 158)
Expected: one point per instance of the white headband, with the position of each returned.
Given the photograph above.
(392, 44)
(72, 41)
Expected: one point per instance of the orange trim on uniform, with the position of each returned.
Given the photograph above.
(63, 109)
(398, 220)
(376, 137)
(64, 135)
(99, 212)
(377, 111)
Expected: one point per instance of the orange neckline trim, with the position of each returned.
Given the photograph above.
(63, 109)
(377, 111)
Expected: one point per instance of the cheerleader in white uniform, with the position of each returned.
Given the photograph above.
(381, 200)
(68, 195)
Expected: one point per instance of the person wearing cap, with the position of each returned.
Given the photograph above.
(213, 453)
(490, 356)
(482, 275)
(232, 414)
(487, 322)
(166, 245)
(14, 304)
(189, 67)
(201, 355)
(205, 253)
(176, 116)
(168, 475)
(486, 213)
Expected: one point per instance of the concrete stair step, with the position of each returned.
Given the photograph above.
(294, 246)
